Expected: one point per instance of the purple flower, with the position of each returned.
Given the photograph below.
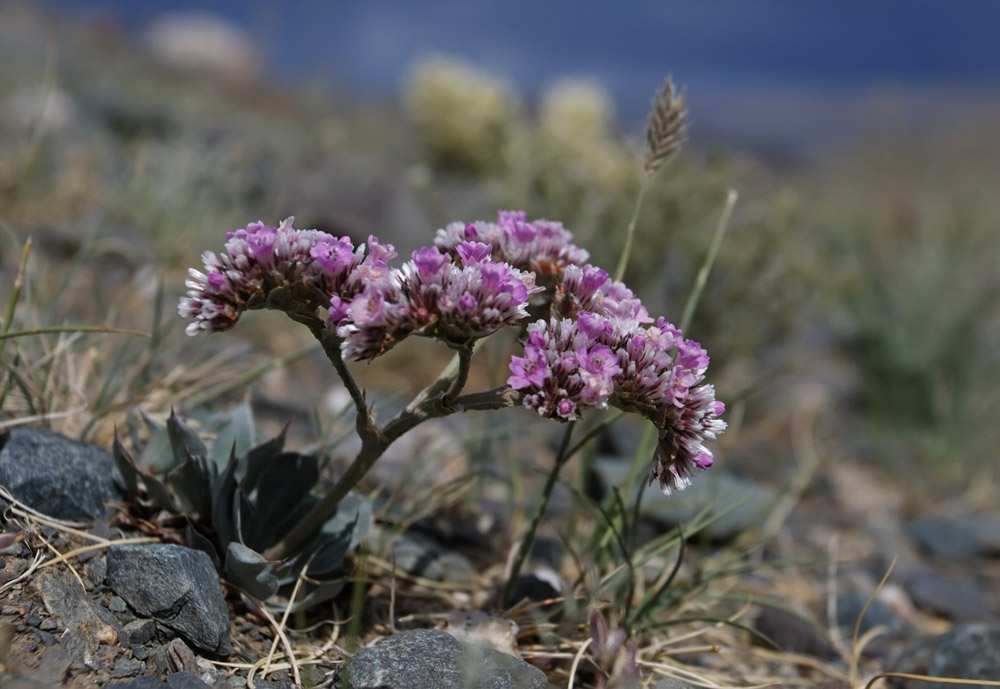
(261, 239)
(429, 260)
(529, 370)
(333, 255)
(473, 252)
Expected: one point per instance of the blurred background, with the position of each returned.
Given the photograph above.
(857, 284)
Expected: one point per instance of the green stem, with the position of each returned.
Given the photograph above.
(627, 249)
(702, 279)
(522, 552)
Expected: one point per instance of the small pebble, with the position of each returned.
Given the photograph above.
(33, 620)
(140, 652)
(48, 625)
(10, 610)
(237, 681)
(116, 604)
(46, 638)
(127, 667)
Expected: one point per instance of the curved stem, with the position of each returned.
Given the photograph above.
(550, 483)
(461, 378)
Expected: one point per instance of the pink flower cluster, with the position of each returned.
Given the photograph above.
(604, 349)
(543, 247)
(598, 346)
(457, 297)
(277, 267)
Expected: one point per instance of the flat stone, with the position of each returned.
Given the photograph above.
(127, 667)
(71, 609)
(184, 680)
(959, 537)
(176, 586)
(742, 503)
(433, 659)
(57, 476)
(419, 554)
(137, 633)
(958, 598)
(878, 614)
(792, 634)
(144, 682)
(964, 652)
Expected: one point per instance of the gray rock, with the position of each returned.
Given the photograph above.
(792, 634)
(433, 659)
(957, 538)
(958, 598)
(968, 652)
(72, 610)
(60, 477)
(137, 633)
(184, 680)
(421, 555)
(878, 614)
(742, 503)
(144, 682)
(963, 652)
(672, 684)
(127, 667)
(174, 585)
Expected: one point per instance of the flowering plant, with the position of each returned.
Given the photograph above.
(595, 345)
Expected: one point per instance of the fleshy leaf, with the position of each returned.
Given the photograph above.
(260, 459)
(223, 495)
(198, 542)
(157, 456)
(184, 440)
(248, 570)
(282, 488)
(126, 467)
(235, 428)
(192, 483)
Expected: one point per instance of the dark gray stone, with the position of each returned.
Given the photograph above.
(60, 477)
(957, 538)
(742, 503)
(958, 598)
(127, 667)
(143, 682)
(421, 555)
(174, 585)
(137, 633)
(963, 652)
(792, 634)
(878, 614)
(116, 604)
(432, 659)
(184, 680)
(967, 652)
